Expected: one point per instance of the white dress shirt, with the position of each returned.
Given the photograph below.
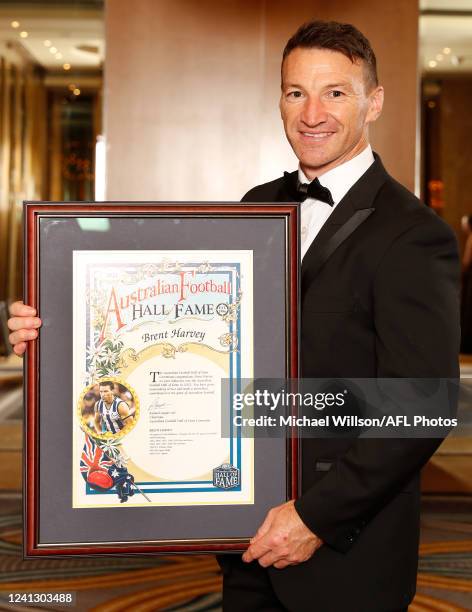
(339, 180)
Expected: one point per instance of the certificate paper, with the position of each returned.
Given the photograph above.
(154, 334)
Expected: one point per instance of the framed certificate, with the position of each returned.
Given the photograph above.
(149, 310)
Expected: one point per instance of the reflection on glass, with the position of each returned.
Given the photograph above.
(94, 224)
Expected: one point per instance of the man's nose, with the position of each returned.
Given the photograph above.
(314, 112)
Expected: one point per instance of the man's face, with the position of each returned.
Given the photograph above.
(106, 394)
(325, 108)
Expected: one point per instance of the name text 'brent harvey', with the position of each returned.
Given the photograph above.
(186, 285)
(175, 333)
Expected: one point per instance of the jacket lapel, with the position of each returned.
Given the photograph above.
(356, 206)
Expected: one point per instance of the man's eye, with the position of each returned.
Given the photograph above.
(336, 93)
(294, 94)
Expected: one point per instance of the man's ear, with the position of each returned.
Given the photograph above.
(376, 100)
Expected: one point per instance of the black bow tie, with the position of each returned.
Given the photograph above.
(314, 190)
(301, 191)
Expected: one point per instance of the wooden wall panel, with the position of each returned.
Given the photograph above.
(191, 92)
(456, 150)
(5, 147)
(22, 162)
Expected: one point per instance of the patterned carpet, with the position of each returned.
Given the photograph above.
(445, 567)
(192, 583)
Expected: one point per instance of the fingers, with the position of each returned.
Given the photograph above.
(263, 529)
(18, 309)
(276, 550)
(16, 323)
(22, 335)
(248, 556)
(256, 550)
(271, 558)
(282, 563)
(24, 325)
(19, 349)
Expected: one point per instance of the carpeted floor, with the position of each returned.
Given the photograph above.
(445, 567)
(192, 583)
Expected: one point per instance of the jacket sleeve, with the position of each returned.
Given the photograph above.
(416, 318)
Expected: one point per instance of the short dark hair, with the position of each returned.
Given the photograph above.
(107, 383)
(335, 36)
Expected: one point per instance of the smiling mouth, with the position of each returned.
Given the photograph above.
(317, 135)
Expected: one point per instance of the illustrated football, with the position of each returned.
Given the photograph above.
(100, 479)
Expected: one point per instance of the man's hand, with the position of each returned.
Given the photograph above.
(282, 539)
(24, 326)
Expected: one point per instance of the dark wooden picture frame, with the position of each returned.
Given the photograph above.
(51, 526)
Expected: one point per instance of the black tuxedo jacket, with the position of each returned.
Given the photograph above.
(379, 299)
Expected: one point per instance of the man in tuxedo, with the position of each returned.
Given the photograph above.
(379, 299)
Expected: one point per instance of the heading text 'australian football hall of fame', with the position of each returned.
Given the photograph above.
(155, 332)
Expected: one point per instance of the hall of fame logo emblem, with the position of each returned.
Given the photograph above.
(226, 476)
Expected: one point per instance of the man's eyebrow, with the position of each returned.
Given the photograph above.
(294, 85)
(345, 84)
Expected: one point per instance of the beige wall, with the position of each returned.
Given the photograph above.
(192, 86)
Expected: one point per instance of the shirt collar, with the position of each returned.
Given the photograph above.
(341, 178)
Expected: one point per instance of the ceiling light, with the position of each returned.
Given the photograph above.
(432, 64)
(76, 91)
(15, 24)
(440, 57)
(24, 34)
(66, 66)
(52, 50)
(58, 56)
(446, 50)
(47, 43)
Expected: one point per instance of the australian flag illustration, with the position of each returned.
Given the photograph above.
(123, 482)
(102, 474)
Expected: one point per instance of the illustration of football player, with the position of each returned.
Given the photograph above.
(111, 412)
